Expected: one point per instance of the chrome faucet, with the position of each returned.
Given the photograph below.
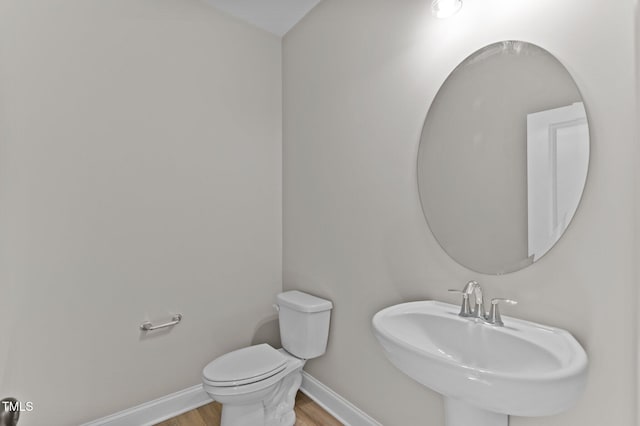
(472, 288)
(477, 312)
(478, 309)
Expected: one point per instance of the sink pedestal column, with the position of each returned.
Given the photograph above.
(459, 413)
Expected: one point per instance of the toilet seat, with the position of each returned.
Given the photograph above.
(244, 366)
(249, 392)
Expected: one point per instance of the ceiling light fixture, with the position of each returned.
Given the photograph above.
(445, 8)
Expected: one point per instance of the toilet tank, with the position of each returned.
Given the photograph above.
(304, 323)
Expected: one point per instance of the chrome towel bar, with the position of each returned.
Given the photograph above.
(148, 326)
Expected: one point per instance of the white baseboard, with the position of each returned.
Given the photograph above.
(158, 410)
(334, 404)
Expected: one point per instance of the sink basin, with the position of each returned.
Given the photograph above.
(522, 369)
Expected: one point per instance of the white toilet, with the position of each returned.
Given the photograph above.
(257, 385)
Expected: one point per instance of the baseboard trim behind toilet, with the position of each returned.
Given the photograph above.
(158, 410)
(334, 404)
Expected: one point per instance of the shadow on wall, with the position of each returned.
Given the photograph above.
(267, 331)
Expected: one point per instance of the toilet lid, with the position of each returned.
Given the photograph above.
(244, 366)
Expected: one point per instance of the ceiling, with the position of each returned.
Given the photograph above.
(275, 16)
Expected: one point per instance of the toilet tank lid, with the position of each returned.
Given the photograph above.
(303, 302)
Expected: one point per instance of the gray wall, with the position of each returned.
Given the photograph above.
(359, 77)
(140, 175)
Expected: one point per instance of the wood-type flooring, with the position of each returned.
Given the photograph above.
(308, 413)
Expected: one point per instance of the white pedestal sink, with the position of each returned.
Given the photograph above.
(485, 372)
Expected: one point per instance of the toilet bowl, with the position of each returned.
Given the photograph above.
(257, 385)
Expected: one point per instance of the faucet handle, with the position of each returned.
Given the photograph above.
(494, 314)
(497, 300)
(465, 309)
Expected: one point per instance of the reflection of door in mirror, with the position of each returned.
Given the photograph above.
(557, 161)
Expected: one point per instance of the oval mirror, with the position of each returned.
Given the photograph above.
(503, 157)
